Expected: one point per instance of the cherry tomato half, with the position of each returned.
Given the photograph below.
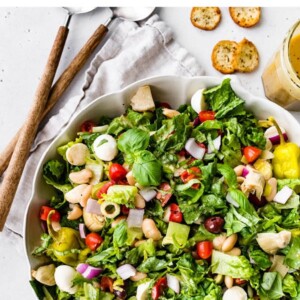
(165, 194)
(117, 172)
(204, 249)
(44, 212)
(104, 188)
(87, 126)
(240, 281)
(251, 153)
(176, 214)
(124, 210)
(158, 288)
(206, 115)
(93, 240)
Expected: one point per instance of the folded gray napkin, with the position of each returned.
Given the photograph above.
(131, 53)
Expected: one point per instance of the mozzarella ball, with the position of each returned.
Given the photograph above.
(77, 154)
(105, 147)
(197, 101)
(235, 293)
(64, 276)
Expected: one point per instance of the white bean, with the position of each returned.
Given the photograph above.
(218, 242)
(82, 176)
(79, 194)
(239, 170)
(228, 281)
(139, 201)
(138, 276)
(150, 230)
(229, 242)
(75, 213)
(234, 251)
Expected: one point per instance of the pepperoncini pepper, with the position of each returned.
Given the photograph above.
(286, 161)
(64, 240)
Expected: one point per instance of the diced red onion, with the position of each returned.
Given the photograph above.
(194, 149)
(81, 268)
(216, 143)
(167, 214)
(148, 193)
(173, 283)
(245, 172)
(231, 201)
(44, 226)
(93, 207)
(87, 271)
(82, 230)
(135, 217)
(283, 195)
(126, 271)
(272, 134)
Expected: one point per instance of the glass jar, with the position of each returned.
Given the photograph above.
(281, 77)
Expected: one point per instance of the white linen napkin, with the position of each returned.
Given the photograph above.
(131, 53)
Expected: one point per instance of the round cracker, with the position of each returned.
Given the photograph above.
(223, 56)
(206, 18)
(246, 56)
(245, 16)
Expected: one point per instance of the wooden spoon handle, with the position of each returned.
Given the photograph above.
(59, 87)
(15, 168)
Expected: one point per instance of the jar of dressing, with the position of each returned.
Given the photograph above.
(281, 77)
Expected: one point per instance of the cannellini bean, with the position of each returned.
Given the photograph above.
(77, 154)
(219, 279)
(229, 242)
(218, 242)
(150, 230)
(79, 194)
(75, 213)
(234, 251)
(272, 185)
(239, 170)
(240, 179)
(82, 176)
(116, 221)
(131, 180)
(170, 113)
(138, 276)
(228, 280)
(139, 201)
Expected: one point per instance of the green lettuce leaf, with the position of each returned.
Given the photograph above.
(271, 286)
(289, 285)
(292, 258)
(121, 194)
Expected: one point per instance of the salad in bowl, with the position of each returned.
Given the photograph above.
(195, 199)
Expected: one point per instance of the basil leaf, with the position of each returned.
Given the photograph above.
(133, 140)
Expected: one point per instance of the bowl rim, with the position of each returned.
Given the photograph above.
(235, 84)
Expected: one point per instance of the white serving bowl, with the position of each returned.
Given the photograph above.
(172, 89)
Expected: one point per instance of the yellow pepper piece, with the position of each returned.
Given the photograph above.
(286, 161)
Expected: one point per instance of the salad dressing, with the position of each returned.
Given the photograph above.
(294, 53)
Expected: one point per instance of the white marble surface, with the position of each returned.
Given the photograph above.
(26, 37)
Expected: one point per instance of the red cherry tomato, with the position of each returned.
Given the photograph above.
(87, 126)
(117, 172)
(185, 176)
(183, 152)
(104, 188)
(251, 153)
(165, 194)
(206, 115)
(159, 287)
(93, 240)
(176, 214)
(204, 249)
(106, 284)
(44, 212)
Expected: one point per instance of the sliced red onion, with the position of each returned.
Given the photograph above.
(135, 217)
(231, 201)
(81, 268)
(167, 214)
(87, 271)
(245, 172)
(82, 230)
(148, 193)
(93, 207)
(126, 271)
(173, 283)
(283, 195)
(194, 149)
(216, 143)
(272, 134)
